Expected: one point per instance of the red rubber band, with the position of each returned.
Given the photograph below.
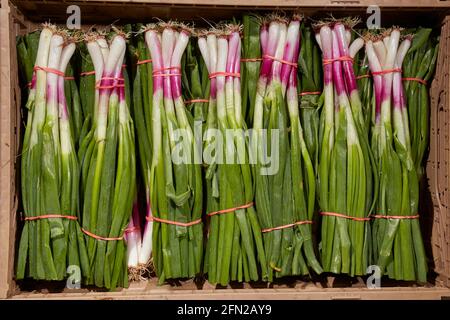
(92, 235)
(87, 73)
(131, 230)
(110, 86)
(50, 216)
(196, 100)
(167, 75)
(112, 78)
(286, 226)
(29, 84)
(49, 70)
(160, 72)
(245, 206)
(227, 74)
(293, 64)
(386, 71)
(307, 93)
(379, 216)
(416, 79)
(343, 58)
(251, 59)
(340, 215)
(363, 76)
(69, 78)
(176, 223)
(144, 61)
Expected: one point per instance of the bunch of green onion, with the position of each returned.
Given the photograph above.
(176, 196)
(345, 173)
(397, 239)
(285, 196)
(51, 239)
(107, 153)
(234, 245)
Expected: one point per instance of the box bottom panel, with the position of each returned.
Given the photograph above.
(297, 290)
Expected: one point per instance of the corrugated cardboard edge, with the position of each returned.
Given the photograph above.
(7, 151)
(438, 166)
(143, 291)
(11, 24)
(260, 3)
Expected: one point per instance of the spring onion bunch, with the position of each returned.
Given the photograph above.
(51, 239)
(345, 167)
(175, 172)
(108, 165)
(397, 239)
(285, 197)
(235, 249)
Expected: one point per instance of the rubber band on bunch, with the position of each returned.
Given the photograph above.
(196, 100)
(87, 73)
(362, 76)
(382, 72)
(344, 216)
(49, 70)
(290, 225)
(131, 230)
(380, 216)
(176, 223)
(421, 81)
(117, 85)
(251, 59)
(330, 61)
(97, 237)
(292, 64)
(225, 74)
(229, 210)
(139, 62)
(309, 93)
(161, 73)
(50, 216)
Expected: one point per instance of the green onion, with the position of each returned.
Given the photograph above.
(49, 242)
(175, 174)
(345, 166)
(109, 166)
(234, 245)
